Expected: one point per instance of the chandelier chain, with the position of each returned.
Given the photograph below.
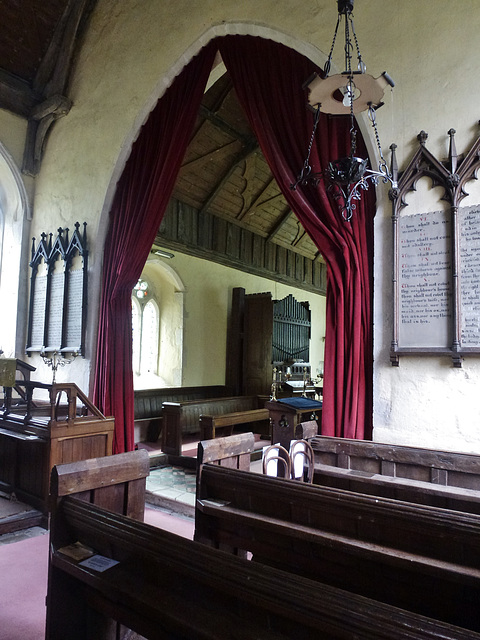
(350, 87)
(373, 120)
(346, 177)
(328, 63)
(361, 64)
(348, 49)
(306, 171)
(315, 125)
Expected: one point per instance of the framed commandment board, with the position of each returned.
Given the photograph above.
(58, 293)
(436, 260)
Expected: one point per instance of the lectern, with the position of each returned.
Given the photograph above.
(286, 416)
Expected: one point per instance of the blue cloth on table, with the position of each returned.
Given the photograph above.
(306, 404)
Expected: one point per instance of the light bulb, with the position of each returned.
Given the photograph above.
(362, 67)
(348, 94)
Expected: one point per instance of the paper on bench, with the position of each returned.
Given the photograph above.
(98, 563)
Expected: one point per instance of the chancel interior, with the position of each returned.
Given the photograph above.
(214, 241)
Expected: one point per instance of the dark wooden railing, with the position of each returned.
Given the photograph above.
(47, 425)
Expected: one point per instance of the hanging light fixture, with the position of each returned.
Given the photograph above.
(347, 93)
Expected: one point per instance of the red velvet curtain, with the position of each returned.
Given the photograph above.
(140, 200)
(268, 77)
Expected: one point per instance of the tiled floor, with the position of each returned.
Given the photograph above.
(174, 482)
(172, 487)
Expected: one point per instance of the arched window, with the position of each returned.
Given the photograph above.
(136, 335)
(150, 334)
(145, 330)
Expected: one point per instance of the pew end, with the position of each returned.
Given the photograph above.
(116, 483)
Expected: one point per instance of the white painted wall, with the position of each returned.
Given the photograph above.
(131, 53)
(430, 49)
(206, 300)
(168, 290)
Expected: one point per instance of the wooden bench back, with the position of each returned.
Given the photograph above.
(441, 479)
(445, 468)
(167, 587)
(148, 402)
(117, 485)
(189, 412)
(115, 482)
(231, 451)
(411, 556)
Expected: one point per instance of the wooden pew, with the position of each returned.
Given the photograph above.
(148, 406)
(183, 418)
(223, 424)
(116, 483)
(437, 478)
(415, 557)
(166, 587)
(231, 451)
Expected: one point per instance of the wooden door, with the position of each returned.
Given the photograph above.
(257, 344)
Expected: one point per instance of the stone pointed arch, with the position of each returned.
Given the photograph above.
(264, 31)
(303, 47)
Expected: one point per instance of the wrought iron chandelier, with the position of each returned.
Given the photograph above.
(349, 92)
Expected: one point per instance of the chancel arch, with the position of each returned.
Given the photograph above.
(347, 249)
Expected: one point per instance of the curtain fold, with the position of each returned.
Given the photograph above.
(140, 200)
(268, 79)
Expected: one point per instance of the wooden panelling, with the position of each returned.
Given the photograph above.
(204, 235)
(257, 343)
(35, 437)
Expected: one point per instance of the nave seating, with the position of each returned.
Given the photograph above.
(115, 483)
(167, 587)
(415, 557)
(438, 478)
(231, 451)
(223, 424)
(184, 418)
(148, 405)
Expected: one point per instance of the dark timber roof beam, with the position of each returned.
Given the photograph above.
(251, 147)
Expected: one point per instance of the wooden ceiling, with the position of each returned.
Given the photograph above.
(26, 32)
(224, 172)
(38, 43)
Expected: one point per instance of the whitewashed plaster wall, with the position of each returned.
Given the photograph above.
(206, 292)
(431, 55)
(132, 51)
(13, 130)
